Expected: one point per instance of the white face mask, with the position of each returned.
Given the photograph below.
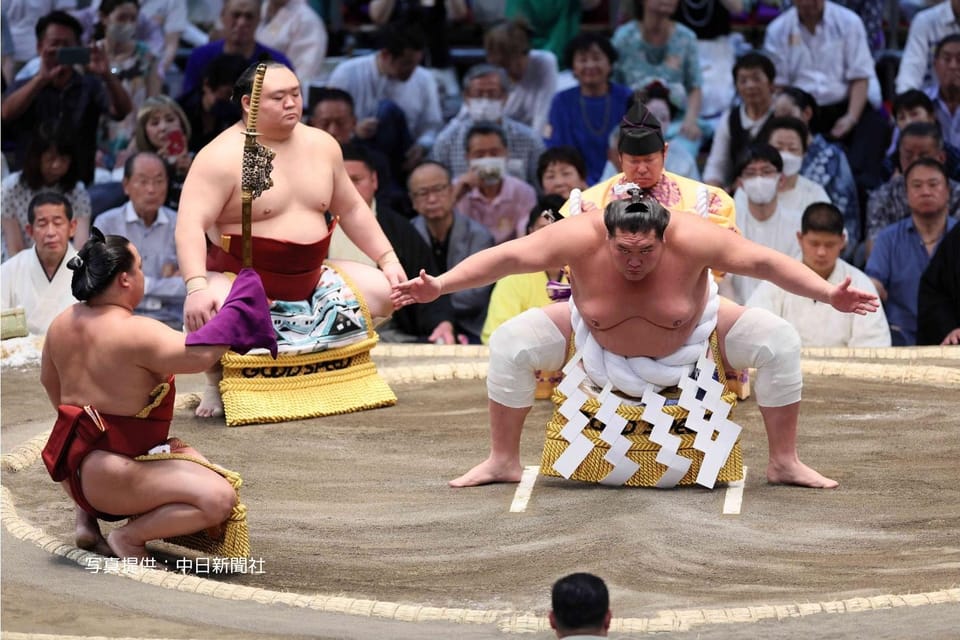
(121, 33)
(485, 109)
(490, 170)
(791, 163)
(760, 189)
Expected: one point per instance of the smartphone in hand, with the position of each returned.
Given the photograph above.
(176, 143)
(73, 55)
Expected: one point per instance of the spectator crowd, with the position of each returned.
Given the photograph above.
(465, 124)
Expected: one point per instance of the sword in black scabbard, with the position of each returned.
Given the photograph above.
(257, 165)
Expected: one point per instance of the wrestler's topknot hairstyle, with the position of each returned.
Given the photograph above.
(98, 263)
(637, 214)
(244, 84)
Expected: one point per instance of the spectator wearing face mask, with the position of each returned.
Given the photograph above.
(761, 216)
(486, 193)
(485, 90)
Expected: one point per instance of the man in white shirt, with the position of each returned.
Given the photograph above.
(150, 226)
(927, 29)
(293, 27)
(821, 47)
(760, 215)
(37, 279)
(822, 239)
(390, 78)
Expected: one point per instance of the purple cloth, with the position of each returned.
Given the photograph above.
(243, 321)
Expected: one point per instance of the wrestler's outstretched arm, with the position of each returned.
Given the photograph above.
(210, 185)
(733, 253)
(559, 243)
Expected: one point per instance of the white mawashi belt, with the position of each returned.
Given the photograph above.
(690, 368)
(632, 376)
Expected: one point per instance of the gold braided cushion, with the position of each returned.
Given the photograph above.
(642, 451)
(257, 389)
(233, 538)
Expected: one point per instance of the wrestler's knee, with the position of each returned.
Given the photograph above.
(518, 347)
(217, 501)
(769, 343)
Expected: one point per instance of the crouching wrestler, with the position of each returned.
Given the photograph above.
(642, 295)
(316, 305)
(109, 374)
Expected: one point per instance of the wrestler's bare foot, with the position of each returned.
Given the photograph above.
(211, 404)
(488, 472)
(122, 547)
(87, 535)
(799, 474)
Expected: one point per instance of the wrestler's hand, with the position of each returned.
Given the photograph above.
(198, 308)
(394, 272)
(849, 300)
(424, 288)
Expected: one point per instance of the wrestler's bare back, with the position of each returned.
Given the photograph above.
(303, 185)
(652, 316)
(94, 355)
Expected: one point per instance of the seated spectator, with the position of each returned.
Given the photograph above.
(394, 97)
(452, 237)
(87, 18)
(946, 97)
(485, 90)
(926, 29)
(208, 106)
(789, 136)
(163, 128)
(432, 322)
(902, 250)
(516, 293)
(938, 306)
(240, 20)
(295, 29)
(912, 106)
(37, 280)
(585, 115)
(50, 165)
(843, 82)
(822, 237)
(60, 92)
(560, 170)
(533, 73)
(433, 17)
(760, 215)
(580, 607)
(333, 112)
(738, 126)
(136, 66)
(486, 193)
(149, 226)
(889, 203)
(655, 48)
(825, 162)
